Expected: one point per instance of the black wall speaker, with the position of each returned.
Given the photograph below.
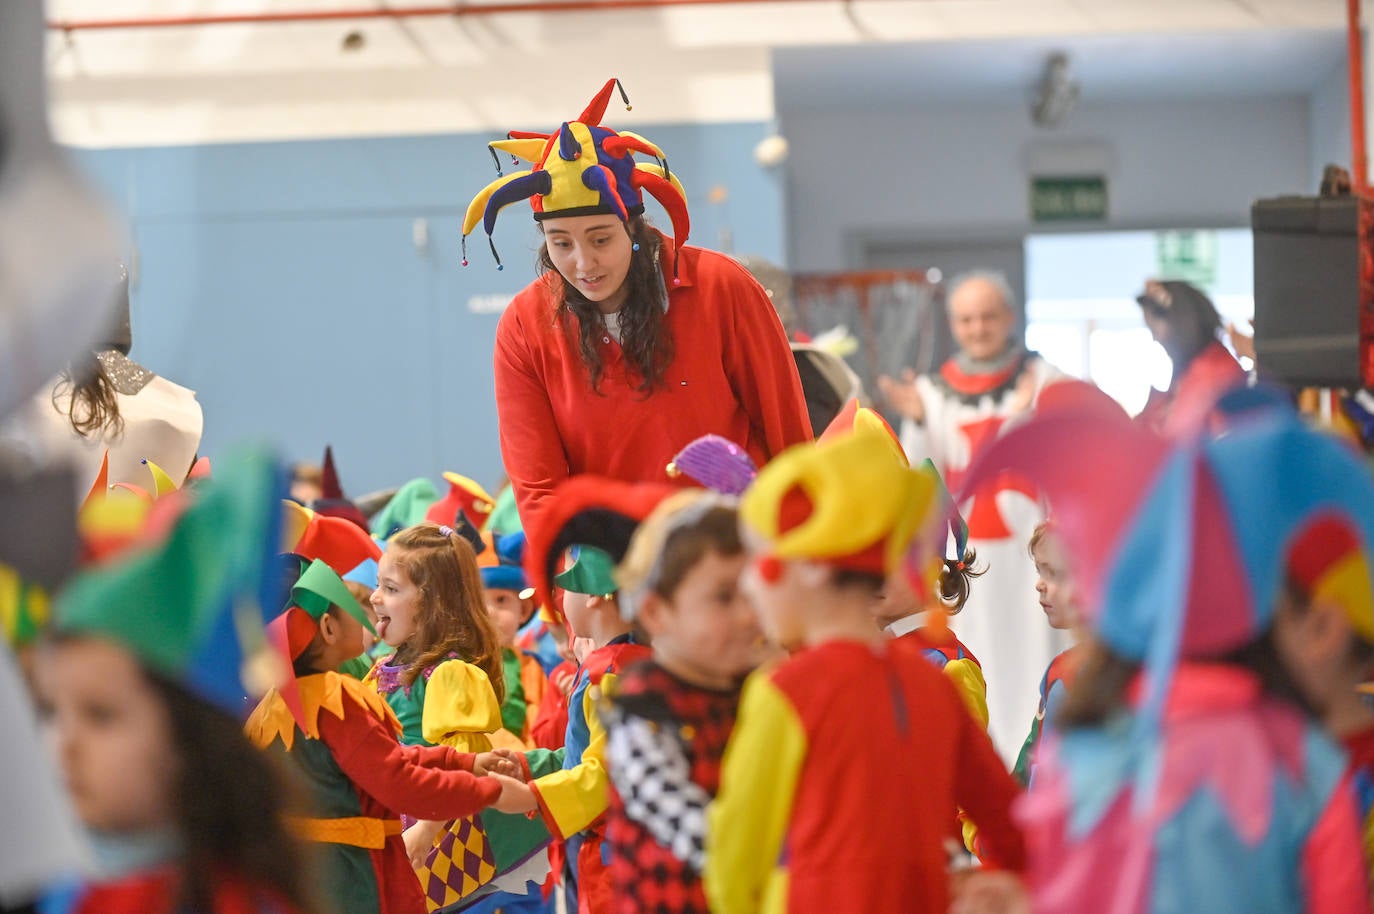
(1308, 314)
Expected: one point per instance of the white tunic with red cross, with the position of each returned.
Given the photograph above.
(1002, 623)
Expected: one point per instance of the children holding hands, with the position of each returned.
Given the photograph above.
(343, 739)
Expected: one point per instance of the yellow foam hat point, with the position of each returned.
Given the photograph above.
(296, 518)
(861, 493)
(162, 483)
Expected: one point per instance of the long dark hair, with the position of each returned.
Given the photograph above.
(648, 348)
(86, 396)
(453, 613)
(230, 800)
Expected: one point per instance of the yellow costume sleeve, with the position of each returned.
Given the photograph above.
(460, 708)
(574, 798)
(747, 823)
(967, 677)
(968, 680)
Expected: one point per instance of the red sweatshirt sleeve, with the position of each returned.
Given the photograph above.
(759, 362)
(985, 790)
(530, 445)
(405, 779)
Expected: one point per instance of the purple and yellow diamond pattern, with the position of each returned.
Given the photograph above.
(460, 863)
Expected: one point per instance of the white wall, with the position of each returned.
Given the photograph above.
(962, 174)
(1329, 120)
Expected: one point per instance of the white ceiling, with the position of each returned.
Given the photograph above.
(680, 63)
(1233, 64)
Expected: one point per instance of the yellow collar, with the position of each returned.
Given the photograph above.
(272, 719)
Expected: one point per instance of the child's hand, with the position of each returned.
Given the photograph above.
(419, 838)
(988, 892)
(516, 796)
(1242, 342)
(497, 761)
(562, 681)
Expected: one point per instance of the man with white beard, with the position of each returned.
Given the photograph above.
(950, 416)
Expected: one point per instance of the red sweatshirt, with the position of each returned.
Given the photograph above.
(732, 375)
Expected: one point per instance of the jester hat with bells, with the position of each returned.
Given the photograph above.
(581, 169)
(850, 501)
(1191, 560)
(723, 466)
(192, 598)
(595, 515)
(318, 588)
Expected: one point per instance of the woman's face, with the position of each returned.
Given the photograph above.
(112, 733)
(593, 254)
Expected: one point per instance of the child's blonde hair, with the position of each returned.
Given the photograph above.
(1042, 530)
(452, 617)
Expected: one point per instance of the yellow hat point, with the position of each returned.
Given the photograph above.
(863, 500)
(162, 483)
(296, 518)
(469, 485)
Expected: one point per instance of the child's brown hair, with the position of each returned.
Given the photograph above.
(956, 579)
(453, 615)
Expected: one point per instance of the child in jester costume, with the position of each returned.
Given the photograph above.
(143, 673)
(1186, 770)
(343, 738)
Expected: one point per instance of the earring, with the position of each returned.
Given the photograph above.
(635, 246)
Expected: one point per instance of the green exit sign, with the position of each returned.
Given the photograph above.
(1068, 199)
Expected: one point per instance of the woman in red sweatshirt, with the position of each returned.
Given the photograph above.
(628, 345)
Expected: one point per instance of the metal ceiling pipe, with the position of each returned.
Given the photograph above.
(454, 10)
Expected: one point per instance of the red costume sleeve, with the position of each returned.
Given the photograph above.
(762, 371)
(424, 782)
(530, 444)
(550, 726)
(985, 791)
(1333, 858)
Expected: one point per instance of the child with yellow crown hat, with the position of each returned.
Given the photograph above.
(817, 807)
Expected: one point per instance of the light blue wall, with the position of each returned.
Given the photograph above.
(962, 173)
(1329, 119)
(281, 281)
